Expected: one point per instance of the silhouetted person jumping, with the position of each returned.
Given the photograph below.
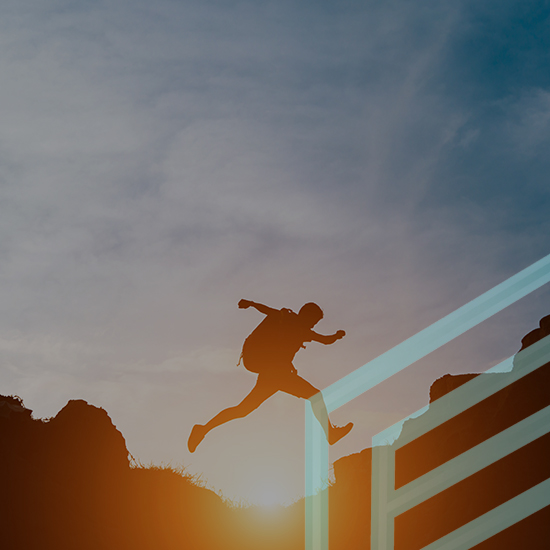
(269, 351)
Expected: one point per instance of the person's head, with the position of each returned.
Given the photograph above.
(311, 314)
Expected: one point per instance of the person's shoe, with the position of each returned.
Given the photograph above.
(337, 433)
(197, 435)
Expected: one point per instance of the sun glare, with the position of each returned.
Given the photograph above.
(269, 496)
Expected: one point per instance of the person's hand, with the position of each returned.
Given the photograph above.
(243, 304)
(340, 334)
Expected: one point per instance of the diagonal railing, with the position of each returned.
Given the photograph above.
(388, 502)
(388, 364)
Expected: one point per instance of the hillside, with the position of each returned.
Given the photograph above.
(67, 483)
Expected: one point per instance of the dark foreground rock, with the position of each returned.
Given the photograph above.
(67, 484)
(470, 498)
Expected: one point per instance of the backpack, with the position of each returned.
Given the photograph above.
(273, 343)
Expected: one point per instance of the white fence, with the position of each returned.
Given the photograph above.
(388, 502)
(381, 368)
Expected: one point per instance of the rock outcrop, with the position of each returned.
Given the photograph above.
(66, 484)
(471, 497)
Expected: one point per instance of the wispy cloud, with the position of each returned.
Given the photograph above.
(160, 161)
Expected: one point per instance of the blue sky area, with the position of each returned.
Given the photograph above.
(160, 161)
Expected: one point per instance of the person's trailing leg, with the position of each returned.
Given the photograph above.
(260, 392)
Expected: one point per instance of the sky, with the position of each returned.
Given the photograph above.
(160, 161)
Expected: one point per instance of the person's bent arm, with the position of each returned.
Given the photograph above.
(266, 310)
(328, 339)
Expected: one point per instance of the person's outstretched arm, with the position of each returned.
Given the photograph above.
(266, 310)
(329, 339)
